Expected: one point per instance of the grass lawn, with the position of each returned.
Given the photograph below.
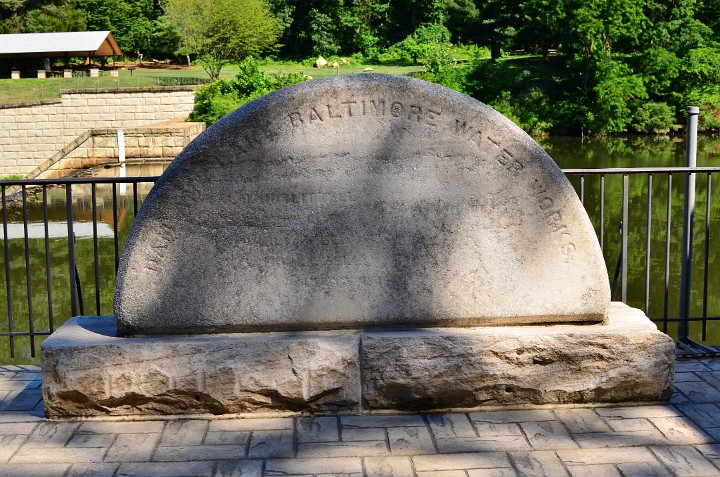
(343, 70)
(33, 89)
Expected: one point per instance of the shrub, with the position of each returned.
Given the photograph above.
(618, 94)
(535, 111)
(531, 110)
(486, 80)
(250, 80)
(708, 101)
(220, 97)
(654, 118)
(438, 58)
(214, 100)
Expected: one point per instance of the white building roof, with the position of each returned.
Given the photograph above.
(80, 43)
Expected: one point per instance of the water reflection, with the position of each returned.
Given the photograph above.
(82, 230)
(146, 169)
(629, 151)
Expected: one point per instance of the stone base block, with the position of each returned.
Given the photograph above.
(88, 371)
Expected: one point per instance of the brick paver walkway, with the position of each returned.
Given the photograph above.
(678, 439)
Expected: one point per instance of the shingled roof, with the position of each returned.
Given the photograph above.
(79, 43)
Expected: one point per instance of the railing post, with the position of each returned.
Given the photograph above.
(6, 259)
(121, 159)
(688, 223)
(121, 145)
(624, 237)
(71, 249)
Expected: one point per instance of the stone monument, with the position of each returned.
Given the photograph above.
(357, 244)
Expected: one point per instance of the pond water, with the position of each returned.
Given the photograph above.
(115, 210)
(653, 278)
(626, 151)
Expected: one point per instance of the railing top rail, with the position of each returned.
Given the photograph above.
(571, 171)
(640, 170)
(78, 180)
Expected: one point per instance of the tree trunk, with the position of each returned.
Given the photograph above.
(495, 49)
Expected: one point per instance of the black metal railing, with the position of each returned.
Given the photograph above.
(61, 261)
(658, 275)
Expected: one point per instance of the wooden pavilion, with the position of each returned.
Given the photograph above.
(91, 44)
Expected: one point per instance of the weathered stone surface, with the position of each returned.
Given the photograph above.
(87, 370)
(627, 360)
(360, 201)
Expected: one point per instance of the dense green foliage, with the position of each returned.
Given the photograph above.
(216, 99)
(220, 31)
(567, 66)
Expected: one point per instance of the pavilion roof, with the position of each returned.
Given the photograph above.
(79, 43)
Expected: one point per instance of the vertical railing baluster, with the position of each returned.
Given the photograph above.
(708, 203)
(135, 199)
(71, 248)
(95, 248)
(667, 254)
(8, 287)
(602, 212)
(688, 227)
(582, 190)
(48, 263)
(625, 226)
(115, 226)
(28, 277)
(648, 231)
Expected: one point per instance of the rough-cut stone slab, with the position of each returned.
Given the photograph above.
(627, 360)
(88, 370)
(360, 201)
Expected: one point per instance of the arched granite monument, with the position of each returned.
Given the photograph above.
(357, 202)
(352, 244)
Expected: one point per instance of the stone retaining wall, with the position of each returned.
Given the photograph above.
(160, 142)
(32, 133)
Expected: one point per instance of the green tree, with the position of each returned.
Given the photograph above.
(55, 18)
(680, 65)
(595, 28)
(498, 24)
(709, 11)
(425, 37)
(133, 23)
(220, 31)
(463, 18)
(310, 26)
(11, 12)
(323, 33)
(38, 16)
(543, 22)
(363, 26)
(618, 95)
(329, 27)
(675, 26)
(406, 16)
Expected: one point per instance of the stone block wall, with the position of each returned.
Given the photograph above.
(160, 142)
(32, 133)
